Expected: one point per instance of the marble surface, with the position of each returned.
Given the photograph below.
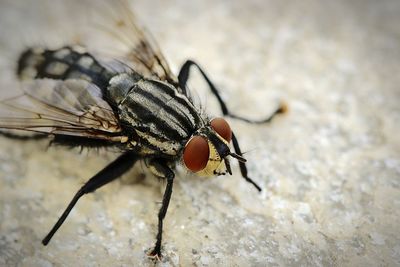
(329, 168)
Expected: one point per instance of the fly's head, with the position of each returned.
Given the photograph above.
(206, 153)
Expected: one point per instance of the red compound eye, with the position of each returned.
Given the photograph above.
(222, 127)
(196, 153)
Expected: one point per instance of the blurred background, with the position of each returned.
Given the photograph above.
(329, 168)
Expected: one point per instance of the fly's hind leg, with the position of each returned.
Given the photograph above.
(23, 137)
(114, 170)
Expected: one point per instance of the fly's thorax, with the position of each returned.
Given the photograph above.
(120, 85)
(156, 112)
(206, 152)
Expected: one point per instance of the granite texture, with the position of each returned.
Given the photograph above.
(330, 167)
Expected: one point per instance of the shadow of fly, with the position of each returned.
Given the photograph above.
(133, 103)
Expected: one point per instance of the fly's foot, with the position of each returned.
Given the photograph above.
(155, 254)
(283, 108)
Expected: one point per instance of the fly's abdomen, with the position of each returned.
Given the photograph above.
(62, 64)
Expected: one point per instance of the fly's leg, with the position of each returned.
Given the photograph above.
(184, 76)
(114, 170)
(23, 137)
(160, 169)
(242, 165)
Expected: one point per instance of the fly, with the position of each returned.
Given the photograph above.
(133, 103)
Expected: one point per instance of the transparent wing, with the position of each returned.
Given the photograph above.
(70, 107)
(131, 44)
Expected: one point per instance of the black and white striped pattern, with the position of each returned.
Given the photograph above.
(162, 117)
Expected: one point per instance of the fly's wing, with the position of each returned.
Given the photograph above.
(69, 107)
(131, 44)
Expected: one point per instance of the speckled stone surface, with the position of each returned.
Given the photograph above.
(330, 168)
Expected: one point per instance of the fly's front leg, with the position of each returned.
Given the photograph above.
(160, 169)
(242, 165)
(184, 76)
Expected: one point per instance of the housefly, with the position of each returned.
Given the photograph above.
(133, 103)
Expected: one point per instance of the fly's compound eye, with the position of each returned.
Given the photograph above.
(196, 153)
(222, 127)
